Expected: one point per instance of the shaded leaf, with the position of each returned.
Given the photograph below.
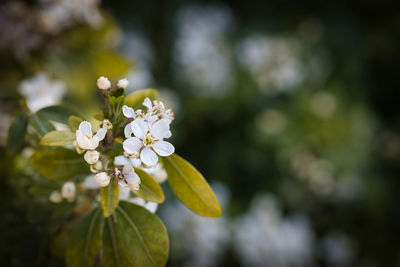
(59, 164)
(109, 198)
(74, 122)
(85, 241)
(135, 99)
(58, 138)
(133, 236)
(190, 187)
(57, 113)
(149, 190)
(16, 133)
(40, 124)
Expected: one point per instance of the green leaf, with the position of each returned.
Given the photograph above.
(74, 122)
(16, 133)
(85, 241)
(59, 164)
(58, 138)
(190, 187)
(40, 124)
(109, 198)
(149, 190)
(43, 190)
(57, 113)
(133, 236)
(135, 99)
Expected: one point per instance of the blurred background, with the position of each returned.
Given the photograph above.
(290, 110)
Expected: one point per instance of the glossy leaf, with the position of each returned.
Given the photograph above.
(136, 98)
(57, 113)
(109, 197)
(190, 187)
(74, 122)
(133, 236)
(149, 190)
(16, 133)
(58, 138)
(40, 124)
(85, 241)
(58, 164)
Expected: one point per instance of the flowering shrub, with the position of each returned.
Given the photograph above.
(126, 151)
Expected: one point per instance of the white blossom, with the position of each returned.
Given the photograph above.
(123, 83)
(157, 172)
(41, 92)
(102, 179)
(122, 161)
(130, 178)
(85, 138)
(68, 191)
(103, 83)
(148, 140)
(91, 156)
(55, 197)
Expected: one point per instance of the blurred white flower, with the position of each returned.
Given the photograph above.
(201, 52)
(41, 92)
(130, 178)
(323, 104)
(148, 140)
(198, 241)
(158, 173)
(102, 179)
(103, 83)
(337, 250)
(85, 138)
(68, 191)
(264, 238)
(55, 197)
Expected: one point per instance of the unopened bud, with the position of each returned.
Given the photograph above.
(102, 179)
(55, 197)
(123, 83)
(95, 168)
(103, 83)
(91, 156)
(106, 124)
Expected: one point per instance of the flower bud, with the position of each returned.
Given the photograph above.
(91, 156)
(103, 83)
(78, 149)
(102, 179)
(123, 83)
(106, 124)
(96, 167)
(68, 191)
(55, 197)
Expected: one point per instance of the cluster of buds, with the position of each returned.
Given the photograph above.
(104, 84)
(68, 192)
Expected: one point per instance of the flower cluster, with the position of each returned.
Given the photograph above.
(146, 131)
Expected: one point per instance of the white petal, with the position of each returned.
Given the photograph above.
(86, 128)
(168, 135)
(124, 192)
(101, 133)
(151, 206)
(160, 129)
(128, 112)
(163, 148)
(86, 143)
(139, 128)
(148, 156)
(128, 130)
(132, 145)
(121, 160)
(136, 162)
(138, 201)
(147, 103)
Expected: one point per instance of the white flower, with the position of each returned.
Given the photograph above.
(68, 191)
(102, 179)
(157, 172)
(103, 83)
(41, 92)
(122, 161)
(91, 156)
(131, 179)
(128, 112)
(148, 140)
(150, 206)
(85, 137)
(123, 83)
(55, 197)
(157, 109)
